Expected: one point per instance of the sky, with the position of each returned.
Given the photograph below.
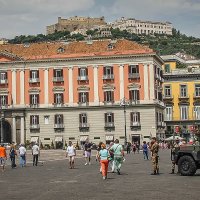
(30, 17)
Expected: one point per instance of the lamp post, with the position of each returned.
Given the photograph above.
(124, 102)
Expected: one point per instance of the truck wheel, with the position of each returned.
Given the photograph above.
(187, 166)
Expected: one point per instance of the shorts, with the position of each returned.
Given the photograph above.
(71, 158)
(2, 161)
(87, 154)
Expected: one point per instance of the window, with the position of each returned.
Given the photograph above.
(3, 100)
(133, 69)
(184, 112)
(34, 99)
(168, 113)
(183, 90)
(167, 91)
(34, 119)
(135, 118)
(58, 75)
(58, 119)
(109, 119)
(83, 74)
(109, 96)
(108, 72)
(134, 95)
(83, 97)
(46, 119)
(3, 77)
(197, 112)
(34, 74)
(83, 118)
(197, 90)
(58, 98)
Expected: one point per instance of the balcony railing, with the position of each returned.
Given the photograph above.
(108, 76)
(84, 125)
(58, 104)
(59, 126)
(168, 97)
(183, 97)
(34, 105)
(108, 102)
(34, 80)
(58, 79)
(196, 96)
(34, 126)
(82, 78)
(109, 125)
(133, 75)
(4, 106)
(135, 124)
(83, 103)
(4, 81)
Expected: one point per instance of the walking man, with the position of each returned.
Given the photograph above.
(145, 150)
(71, 152)
(118, 152)
(175, 148)
(13, 153)
(154, 156)
(35, 153)
(22, 155)
(3, 157)
(88, 150)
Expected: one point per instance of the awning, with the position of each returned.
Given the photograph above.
(83, 138)
(58, 139)
(109, 137)
(34, 139)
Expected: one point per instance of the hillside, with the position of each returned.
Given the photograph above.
(163, 44)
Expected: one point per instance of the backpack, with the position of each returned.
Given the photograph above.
(12, 153)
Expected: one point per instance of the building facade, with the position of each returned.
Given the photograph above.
(74, 23)
(56, 92)
(143, 27)
(181, 94)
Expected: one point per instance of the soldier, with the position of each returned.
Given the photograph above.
(174, 149)
(154, 156)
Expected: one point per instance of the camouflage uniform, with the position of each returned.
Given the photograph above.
(174, 149)
(154, 156)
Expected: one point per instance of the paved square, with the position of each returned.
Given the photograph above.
(54, 180)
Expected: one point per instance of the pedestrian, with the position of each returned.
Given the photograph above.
(154, 156)
(104, 159)
(22, 155)
(134, 148)
(71, 152)
(138, 147)
(35, 154)
(12, 154)
(128, 148)
(97, 155)
(3, 157)
(88, 150)
(174, 149)
(118, 152)
(145, 150)
(111, 160)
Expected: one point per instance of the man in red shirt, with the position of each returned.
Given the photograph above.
(3, 156)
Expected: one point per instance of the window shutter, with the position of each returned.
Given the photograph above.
(37, 117)
(54, 73)
(55, 119)
(161, 73)
(86, 71)
(30, 98)
(79, 71)
(104, 70)
(129, 69)
(130, 95)
(138, 68)
(61, 119)
(61, 72)
(6, 97)
(138, 116)
(38, 100)
(31, 121)
(62, 98)
(30, 74)
(85, 118)
(38, 74)
(111, 70)
(131, 116)
(55, 98)
(104, 93)
(79, 97)
(112, 114)
(112, 96)
(138, 94)
(105, 117)
(6, 75)
(80, 118)
(87, 96)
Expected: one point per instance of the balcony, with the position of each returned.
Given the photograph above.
(196, 96)
(135, 125)
(3, 81)
(34, 105)
(84, 126)
(108, 103)
(167, 97)
(161, 124)
(59, 126)
(58, 79)
(83, 103)
(109, 125)
(183, 97)
(34, 80)
(108, 77)
(82, 78)
(34, 126)
(57, 105)
(133, 75)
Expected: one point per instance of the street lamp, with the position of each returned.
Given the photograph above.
(124, 102)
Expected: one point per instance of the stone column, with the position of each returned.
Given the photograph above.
(46, 87)
(13, 87)
(121, 80)
(22, 136)
(96, 85)
(146, 82)
(14, 130)
(71, 98)
(22, 87)
(152, 82)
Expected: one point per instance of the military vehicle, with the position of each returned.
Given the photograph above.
(187, 157)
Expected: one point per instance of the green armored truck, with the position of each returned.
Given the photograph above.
(187, 157)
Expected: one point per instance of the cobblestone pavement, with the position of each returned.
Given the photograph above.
(54, 181)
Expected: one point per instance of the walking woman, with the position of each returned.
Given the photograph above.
(97, 155)
(104, 159)
(12, 154)
(118, 151)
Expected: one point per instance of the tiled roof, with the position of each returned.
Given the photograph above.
(47, 50)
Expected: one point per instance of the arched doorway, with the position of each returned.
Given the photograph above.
(7, 138)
